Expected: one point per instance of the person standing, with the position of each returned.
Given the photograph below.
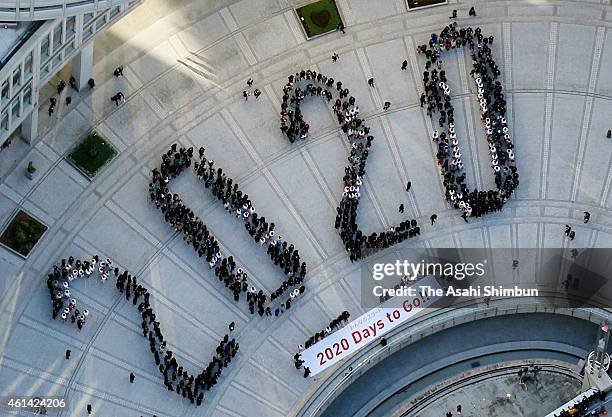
(68, 352)
(587, 217)
(401, 208)
(433, 218)
(132, 377)
(405, 65)
(60, 87)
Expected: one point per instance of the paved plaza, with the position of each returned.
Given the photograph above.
(186, 63)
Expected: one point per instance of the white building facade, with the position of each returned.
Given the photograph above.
(65, 35)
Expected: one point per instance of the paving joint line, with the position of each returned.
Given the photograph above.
(552, 58)
(588, 110)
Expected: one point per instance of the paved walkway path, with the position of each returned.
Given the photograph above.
(186, 63)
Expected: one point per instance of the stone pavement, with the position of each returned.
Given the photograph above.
(186, 63)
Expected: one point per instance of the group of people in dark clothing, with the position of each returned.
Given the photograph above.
(195, 232)
(176, 378)
(334, 325)
(188, 386)
(60, 88)
(53, 101)
(310, 83)
(492, 103)
(585, 407)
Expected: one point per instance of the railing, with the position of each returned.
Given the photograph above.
(509, 369)
(572, 402)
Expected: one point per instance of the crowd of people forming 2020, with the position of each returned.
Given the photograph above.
(436, 97)
(181, 218)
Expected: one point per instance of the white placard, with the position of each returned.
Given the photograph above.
(367, 328)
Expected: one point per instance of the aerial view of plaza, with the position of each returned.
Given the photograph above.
(305, 208)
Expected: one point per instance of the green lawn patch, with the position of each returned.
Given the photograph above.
(319, 17)
(22, 233)
(92, 154)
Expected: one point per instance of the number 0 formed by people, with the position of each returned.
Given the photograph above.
(310, 83)
(492, 104)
